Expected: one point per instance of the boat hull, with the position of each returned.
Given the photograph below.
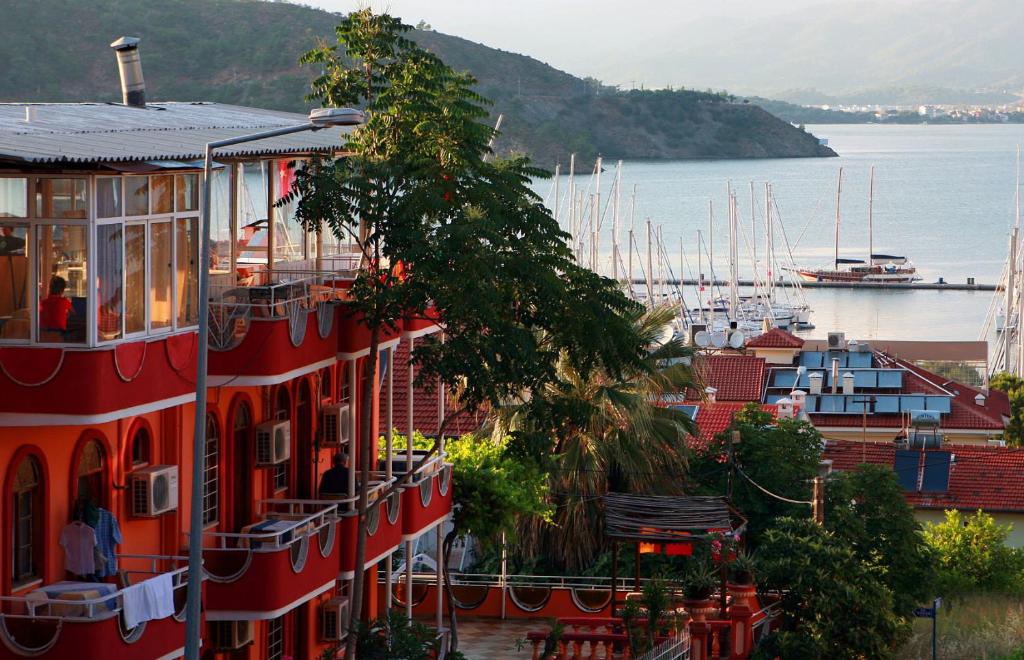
(843, 276)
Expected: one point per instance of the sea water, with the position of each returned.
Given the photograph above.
(943, 196)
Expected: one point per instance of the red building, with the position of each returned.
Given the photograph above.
(99, 269)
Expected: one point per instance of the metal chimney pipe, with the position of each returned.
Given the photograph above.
(129, 65)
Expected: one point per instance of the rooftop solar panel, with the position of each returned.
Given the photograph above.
(905, 466)
(865, 378)
(785, 378)
(859, 360)
(912, 403)
(887, 404)
(811, 359)
(936, 472)
(890, 379)
(938, 403)
(691, 411)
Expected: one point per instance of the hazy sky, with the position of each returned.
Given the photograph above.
(571, 34)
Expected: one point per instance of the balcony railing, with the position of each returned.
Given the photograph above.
(88, 620)
(38, 605)
(285, 293)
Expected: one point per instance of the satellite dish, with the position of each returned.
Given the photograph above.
(719, 339)
(737, 339)
(702, 338)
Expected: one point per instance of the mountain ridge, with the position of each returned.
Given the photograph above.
(246, 52)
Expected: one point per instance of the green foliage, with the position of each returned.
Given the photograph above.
(393, 636)
(834, 605)
(604, 432)
(398, 442)
(492, 490)
(484, 253)
(782, 456)
(1014, 388)
(972, 554)
(866, 508)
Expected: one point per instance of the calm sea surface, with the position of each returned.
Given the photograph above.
(944, 196)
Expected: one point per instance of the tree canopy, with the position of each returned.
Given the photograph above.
(446, 232)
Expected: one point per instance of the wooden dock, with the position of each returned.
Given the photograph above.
(914, 286)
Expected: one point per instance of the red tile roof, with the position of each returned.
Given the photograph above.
(981, 477)
(425, 404)
(713, 418)
(776, 338)
(736, 377)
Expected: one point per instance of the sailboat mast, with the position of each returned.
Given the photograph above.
(769, 249)
(650, 268)
(700, 275)
(595, 223)
(615, 221)
(753, 229)
(1020, 285)
(558, 171)
(734, 294)
(839, 196)
(572, 200)
(871, 216)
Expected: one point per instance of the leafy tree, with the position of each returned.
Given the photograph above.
(492, 489)
(833, 604)
(866, 508)
(1014, 388)
(781, 455)
(605, 432)
(447, 233)
(972, 554)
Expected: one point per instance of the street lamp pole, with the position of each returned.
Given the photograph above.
(318, 119)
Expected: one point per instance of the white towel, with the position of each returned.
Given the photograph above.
(148, 600)
(133, 600)
(160, 595)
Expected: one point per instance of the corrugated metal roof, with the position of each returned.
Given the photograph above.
(107, 132)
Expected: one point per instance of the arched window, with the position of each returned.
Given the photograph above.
(211, 473)
(241, 467)
(326, 385)
(344, 391)
(142, 450)
(91, 473)
(282, 412)
(27, 522)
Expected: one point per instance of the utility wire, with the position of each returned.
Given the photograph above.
(768, 492)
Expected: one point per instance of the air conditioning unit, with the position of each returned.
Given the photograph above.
(335, 424)
(231, 635)
(333, 619)
(154, 490)
(837, 341)
(273, 443)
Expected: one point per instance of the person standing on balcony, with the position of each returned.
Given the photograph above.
(334, 482)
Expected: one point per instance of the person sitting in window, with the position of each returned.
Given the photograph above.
(334, 483)
(55, 308)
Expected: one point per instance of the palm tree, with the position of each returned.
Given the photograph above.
(607, 432)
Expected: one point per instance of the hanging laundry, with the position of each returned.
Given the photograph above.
(148, 600)
(108, 535)
(79, 543)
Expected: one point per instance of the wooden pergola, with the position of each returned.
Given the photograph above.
(666, 520)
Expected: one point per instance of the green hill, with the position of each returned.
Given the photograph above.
(245, 52)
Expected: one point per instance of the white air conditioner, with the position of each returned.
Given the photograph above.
(333, 619)
(154, 490)
(231, 635)
(273, 443)
(335, 424)
(837, 341)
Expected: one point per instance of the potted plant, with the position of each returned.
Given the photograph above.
(741, 569)
(698, 584)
